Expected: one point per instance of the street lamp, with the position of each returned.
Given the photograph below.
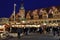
(14, 16)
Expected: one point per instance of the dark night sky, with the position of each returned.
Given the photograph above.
(6, 6)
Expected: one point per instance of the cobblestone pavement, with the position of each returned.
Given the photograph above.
(35, 36)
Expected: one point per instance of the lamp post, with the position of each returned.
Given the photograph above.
(14, 16)
(14, 11)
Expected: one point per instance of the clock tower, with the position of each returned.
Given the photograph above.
(22, 11)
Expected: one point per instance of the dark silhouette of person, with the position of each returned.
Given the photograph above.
(58, 29)
(48, 29)
(19, 31)
(40, 30)
(55, 30)
(26, 30)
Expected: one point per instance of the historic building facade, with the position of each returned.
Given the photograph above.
(4, 20)
(37, 16)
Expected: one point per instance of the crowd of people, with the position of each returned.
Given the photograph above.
(55, 30)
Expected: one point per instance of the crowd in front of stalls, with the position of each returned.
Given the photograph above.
(27, 29)
(43, 29)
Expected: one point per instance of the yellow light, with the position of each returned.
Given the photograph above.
(44, 24)
(23, 21)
